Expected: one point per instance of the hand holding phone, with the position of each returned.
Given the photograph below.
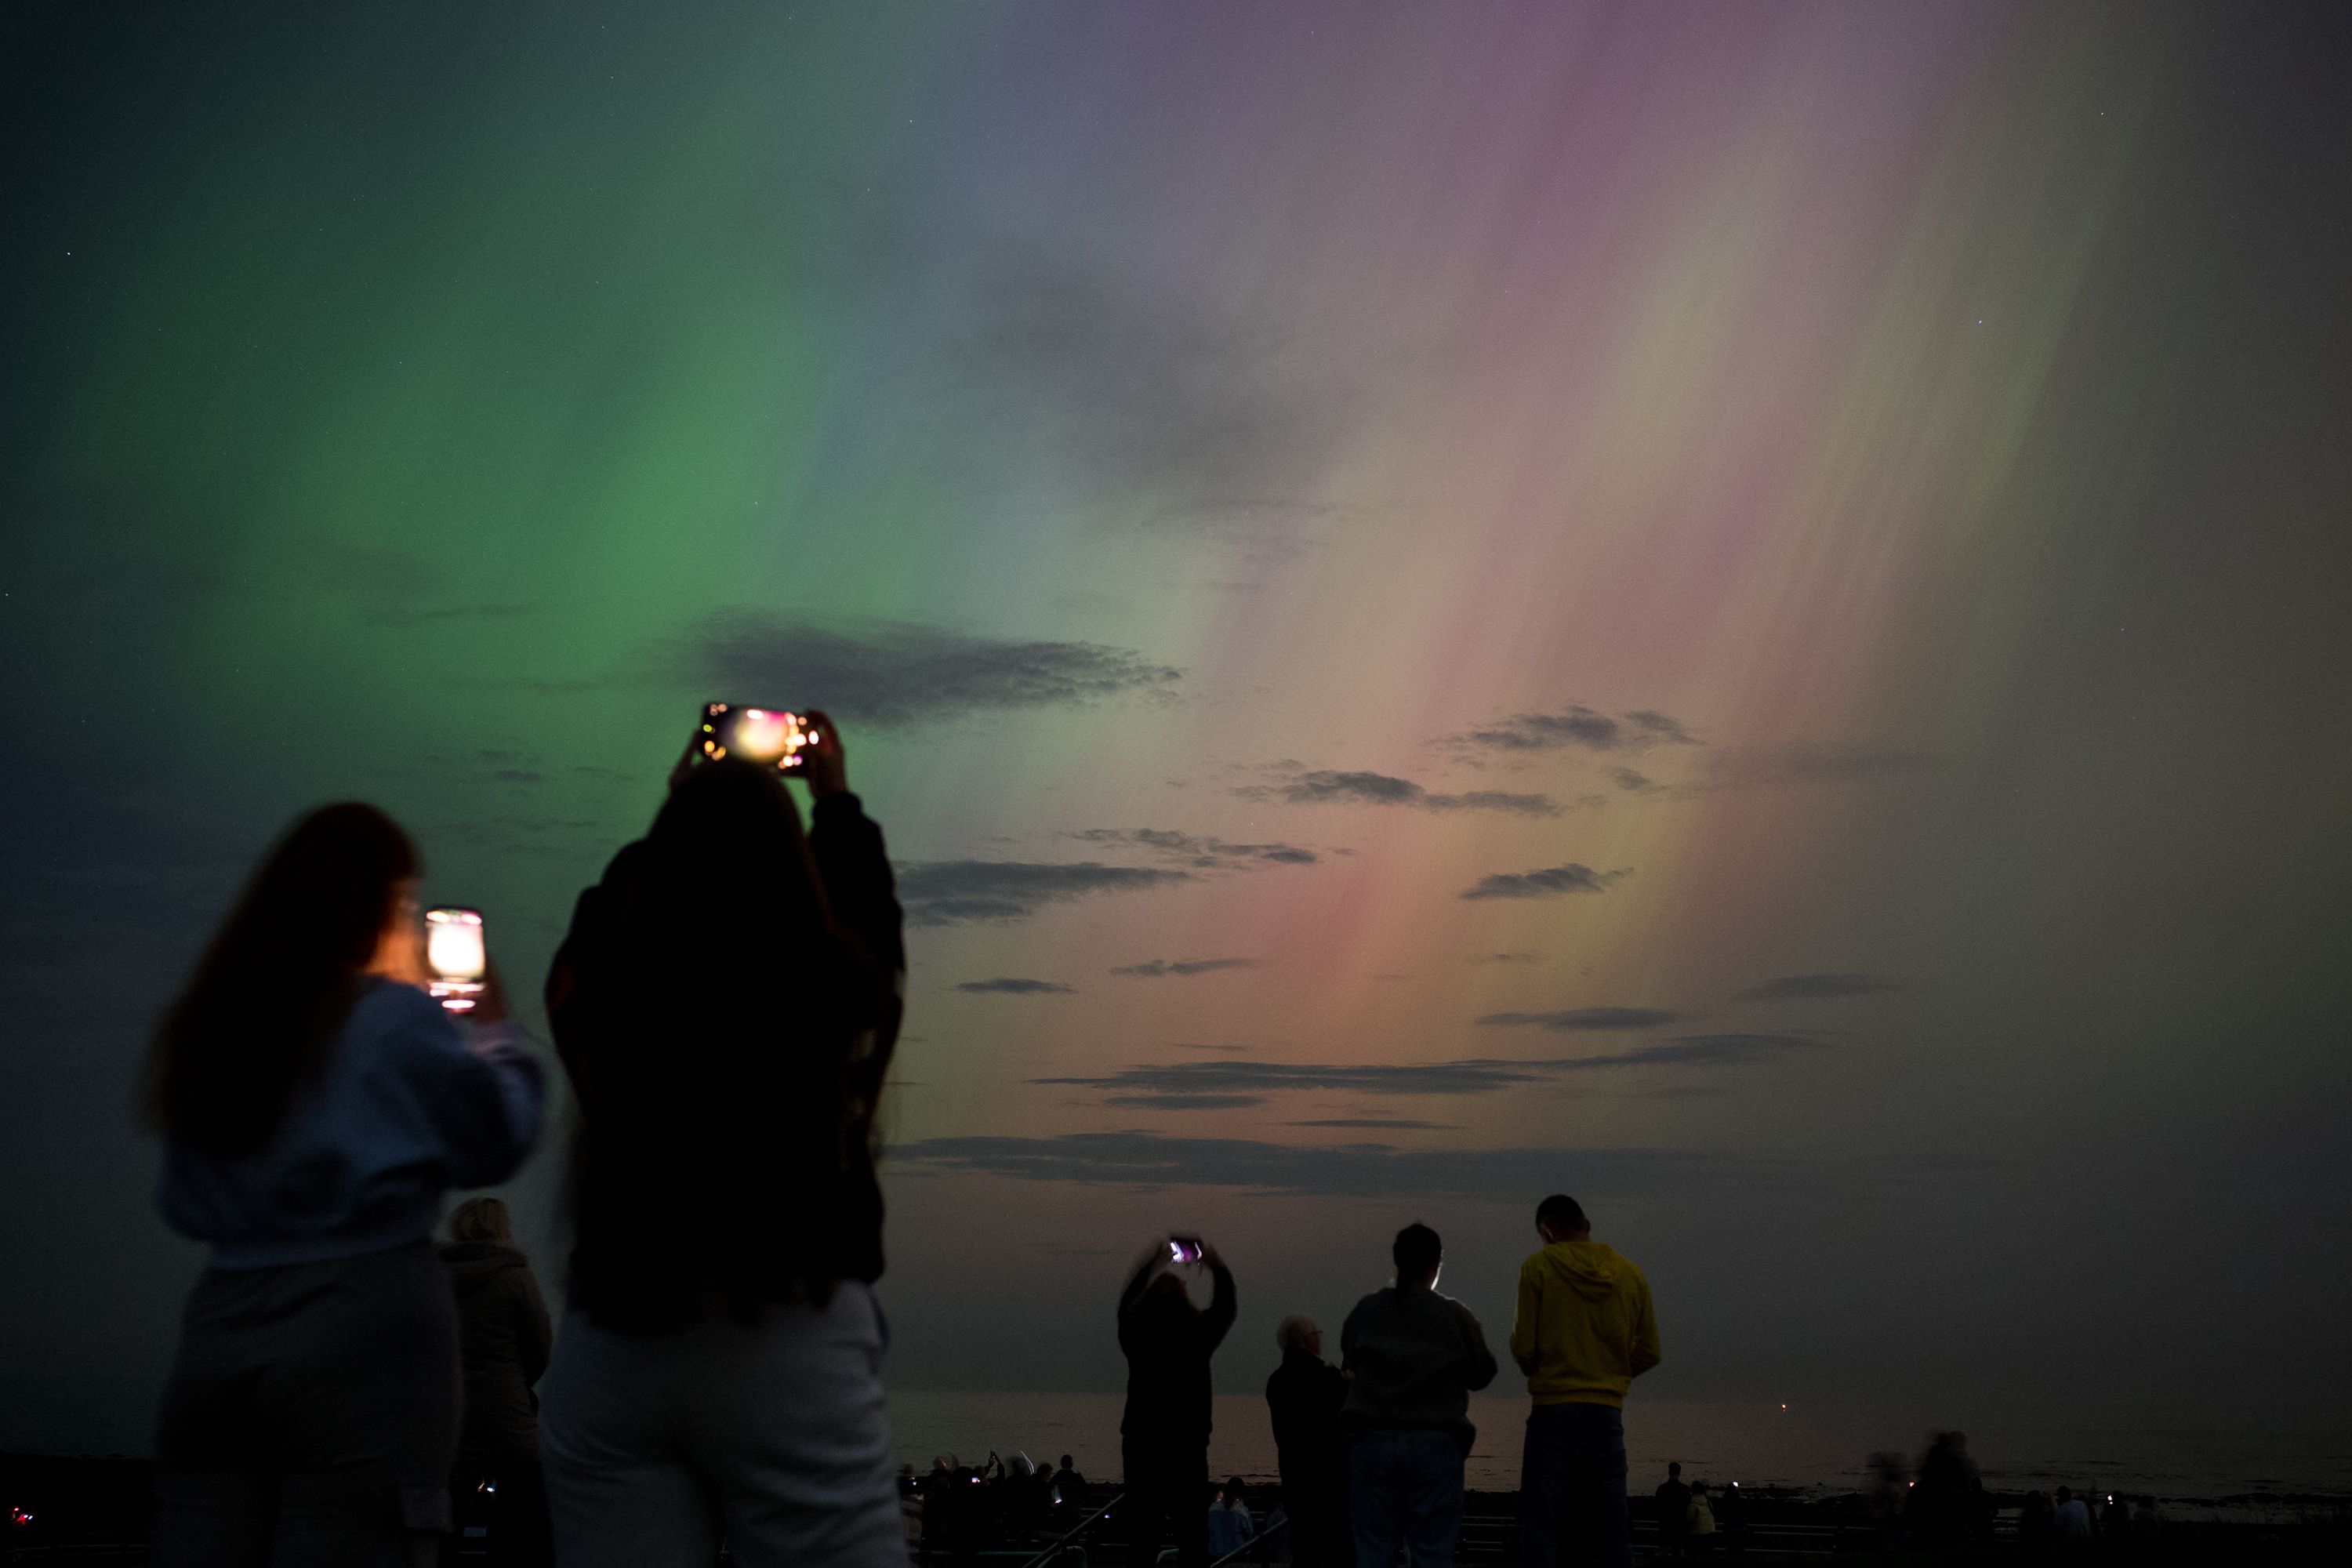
(772, 735)
(1186, 1249)
(457, 959)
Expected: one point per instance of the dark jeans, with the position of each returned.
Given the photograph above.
(1167, 1488)
(1572, 1487)
(310, 1416)
(1405, 1486)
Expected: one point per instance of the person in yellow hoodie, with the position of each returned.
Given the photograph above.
(1583, 1331)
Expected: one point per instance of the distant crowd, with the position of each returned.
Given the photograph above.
(726, 1003)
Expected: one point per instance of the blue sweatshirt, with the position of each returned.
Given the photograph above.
(403, 1111)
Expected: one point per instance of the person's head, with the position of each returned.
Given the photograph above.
(334, 898)
(2065, 1494)
(1233, 1489)
(1067, 1464)
(1165, 1293)
(727, 853)
(481, 1219)
(1418, 1254)
(1674, 1472)
(1298, 1332)
(1561, 1218)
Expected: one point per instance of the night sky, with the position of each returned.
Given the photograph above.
(1744, 612)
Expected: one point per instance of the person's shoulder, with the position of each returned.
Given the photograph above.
(393, 1009)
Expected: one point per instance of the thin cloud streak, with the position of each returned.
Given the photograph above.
(888, 674)
(955, 892)
(1548, 882)
(1011, 985)
(1587, 1018)
(1327, 786)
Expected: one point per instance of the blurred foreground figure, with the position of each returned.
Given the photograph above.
(1164, 1430)
(503, 1336)
(1582, 1332)
(1304, 1397)
(316, 1105)
(726, 1003)
(1416, 1357)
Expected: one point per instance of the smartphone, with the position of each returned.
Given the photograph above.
(1186, 1249)
(757, 734)
(455, 961)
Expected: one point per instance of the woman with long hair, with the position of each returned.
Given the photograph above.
(315, 1105)
(726, 1003)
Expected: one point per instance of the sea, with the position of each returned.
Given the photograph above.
(2225, 1463)
(2214, 1462)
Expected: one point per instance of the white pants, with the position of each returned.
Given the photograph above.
(771, 1434)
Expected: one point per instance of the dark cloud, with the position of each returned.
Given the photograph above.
(1502, 958)
(1184, 1102)
(1357, 1170)
(1548, 882)
(1195, 850)
(951, 892)
(1009, 986)
(1380, 1123)
(1325, 786)
(1475, 1076)
(519, 775)
(1579, 726)
(889, 674)
(1633, 782)
(1697, 1051)
(1160, 967)
(1818, 987)
(1587, 1018)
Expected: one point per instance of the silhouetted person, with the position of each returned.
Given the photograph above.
(316, 1105)
(1164, 1430)
(1416, 1357)
(1699, 1515)
(1304, 1397)
(1070, 1477)
(503, 1335)
(1582, 1331)
(1229, 1525)
(2073, 1517)
(1946, 1503)
(727, 1003)
(1674, 1506)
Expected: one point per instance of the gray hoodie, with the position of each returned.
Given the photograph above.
(1417, 1357)
(504, 1336)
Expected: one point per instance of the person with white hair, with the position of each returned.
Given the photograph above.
(1303, 1395)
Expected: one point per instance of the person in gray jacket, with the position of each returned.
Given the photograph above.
(503, 1337)
(1414, 1357)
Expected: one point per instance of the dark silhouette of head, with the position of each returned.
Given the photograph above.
(722, 950)
(1417, 1252)
(1674, 1471)
(482, 1219)
(256, 1019)
(1066, 1463)
(2065, 1494)
(1561, 1218)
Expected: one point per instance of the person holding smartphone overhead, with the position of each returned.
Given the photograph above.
(727, 1003)
(316, 1104)
(1164, 1430)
